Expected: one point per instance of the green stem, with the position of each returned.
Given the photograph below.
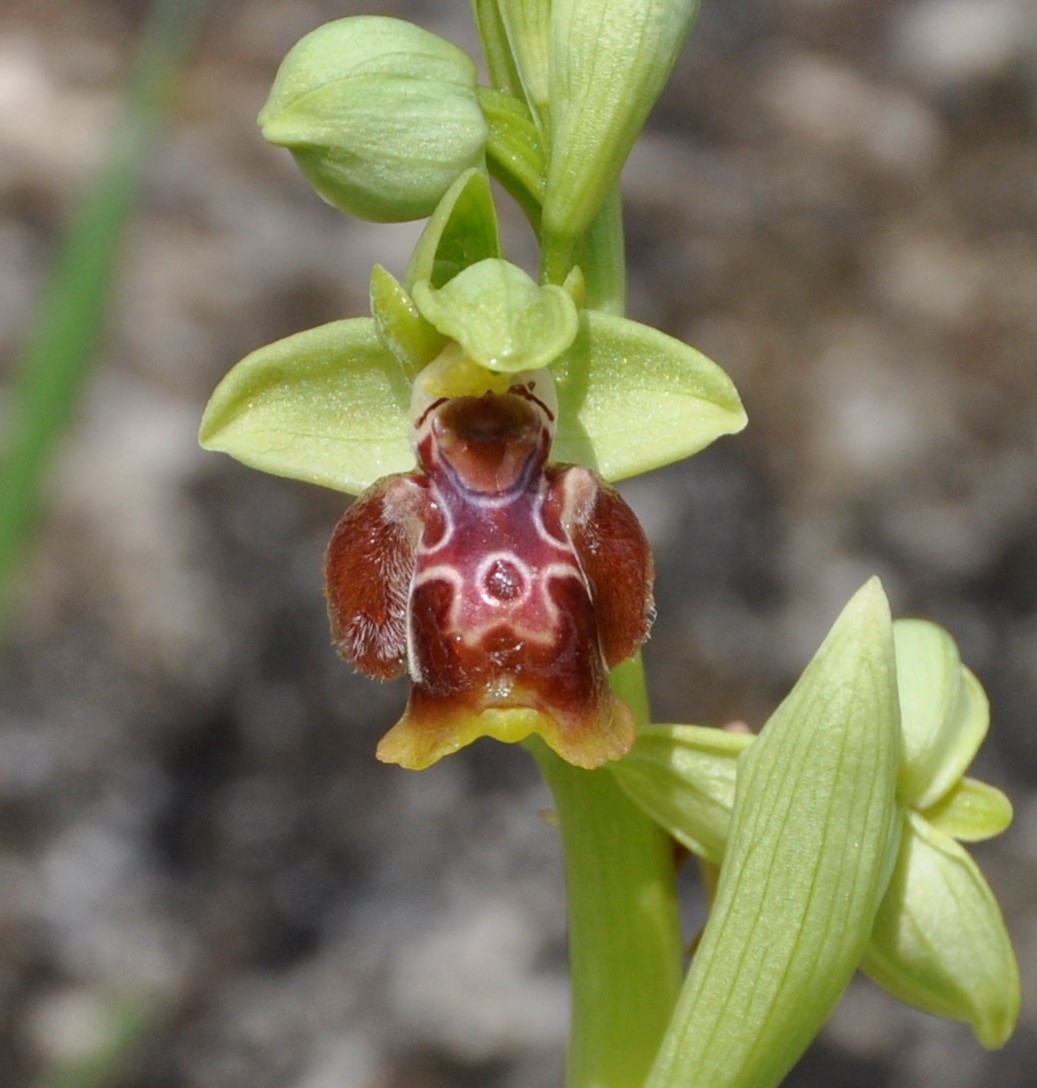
(624, 935)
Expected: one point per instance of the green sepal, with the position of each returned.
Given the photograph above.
(813, 837)
(328, 406)
(514, 151)
(970, 811)
(683, 776)
(940, 942)
(380, 115)
(413, 341)
(461, 231)
(632, 398)
(501, 318)
(944, 712)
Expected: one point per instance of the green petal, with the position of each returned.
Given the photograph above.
(500, 317)
(971, 812)
(940, 942)
(461, 231)
(683, 776)
(328, 406)
(944, 712)
(632, 398)
(413, 341)
(812, 841)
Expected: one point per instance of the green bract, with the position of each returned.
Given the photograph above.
(812, 839)
(608, 65)
(380, 115)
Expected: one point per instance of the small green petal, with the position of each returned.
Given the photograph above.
(940, 942)
(328, 406)
(632, 398)
(813, 837)
(971, 812)
(461, 231)
(944, 712)
(683, 776)
(413, 341)
(501, 318)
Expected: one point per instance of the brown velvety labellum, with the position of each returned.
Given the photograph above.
(505, 586)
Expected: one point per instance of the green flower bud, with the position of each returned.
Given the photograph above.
(380, 115)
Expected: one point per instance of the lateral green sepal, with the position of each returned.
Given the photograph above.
(632, 398)
(328, 406)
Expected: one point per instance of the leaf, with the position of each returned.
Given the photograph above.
(328, 406)
(500, 317)
(940, 942)
(812, 839)
(683, 776)
(632, 398)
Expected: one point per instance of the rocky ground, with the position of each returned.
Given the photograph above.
(836, 200)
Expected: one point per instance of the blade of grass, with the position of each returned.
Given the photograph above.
(55, 362)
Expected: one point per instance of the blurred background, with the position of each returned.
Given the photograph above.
(206, 880)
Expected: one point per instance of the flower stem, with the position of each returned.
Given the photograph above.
(624, 935)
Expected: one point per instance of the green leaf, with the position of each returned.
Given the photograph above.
(813, 836)
(971, 812)
(500, 317)
(413, 341)
(940, 942)
(328, 406)
(944, 712)
(683, 776)
(461, 231)
(632, 398)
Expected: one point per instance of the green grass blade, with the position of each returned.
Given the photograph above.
(55, 363)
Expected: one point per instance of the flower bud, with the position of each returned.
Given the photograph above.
(380, 115)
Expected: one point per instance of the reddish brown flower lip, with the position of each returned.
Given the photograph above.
(506, 587)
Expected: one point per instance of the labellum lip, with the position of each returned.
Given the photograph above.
(507, 586)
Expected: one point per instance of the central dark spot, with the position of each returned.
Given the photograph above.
(503, 581)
